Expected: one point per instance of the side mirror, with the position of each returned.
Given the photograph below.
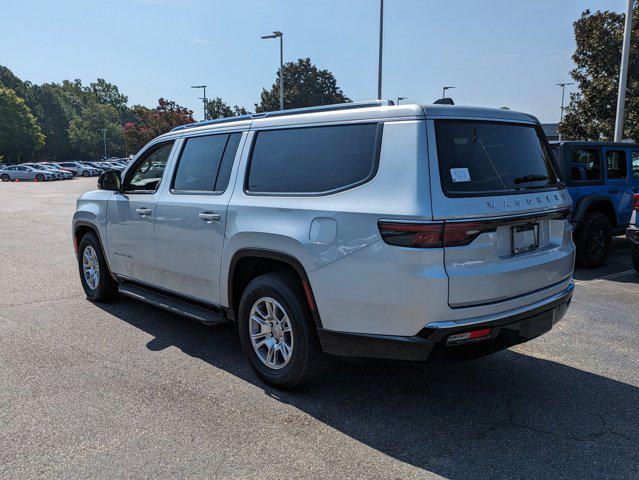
(110, 180)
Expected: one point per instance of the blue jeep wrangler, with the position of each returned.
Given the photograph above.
(601, 178)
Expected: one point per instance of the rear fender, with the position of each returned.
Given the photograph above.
(601, 203)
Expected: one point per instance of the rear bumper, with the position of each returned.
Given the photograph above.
(632, 234)
(507, 330)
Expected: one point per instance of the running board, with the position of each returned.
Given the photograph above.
(207, 316)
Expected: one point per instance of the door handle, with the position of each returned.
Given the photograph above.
(209, 217)
(143, 211)
(614, 190)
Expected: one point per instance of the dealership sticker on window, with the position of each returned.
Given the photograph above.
(460, 175)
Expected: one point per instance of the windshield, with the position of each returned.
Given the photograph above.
(492, 157)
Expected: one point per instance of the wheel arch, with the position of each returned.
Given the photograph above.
(80, 229)
(595, 203)
(248, 263)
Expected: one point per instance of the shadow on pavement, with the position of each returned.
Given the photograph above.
(506, 416)
(618, 261)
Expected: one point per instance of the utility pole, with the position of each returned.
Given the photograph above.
(400, 99)
(279, 35)
(381, 44)
(104, 140)
(563, 91)
(204, 99)
(444, 91)
(623, 74)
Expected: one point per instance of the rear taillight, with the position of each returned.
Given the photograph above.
(463, 233)
(635, 202)
(432, 235)
(416, 235)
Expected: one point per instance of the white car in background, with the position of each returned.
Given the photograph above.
(82, 170)
(59, 173)
(25, 172)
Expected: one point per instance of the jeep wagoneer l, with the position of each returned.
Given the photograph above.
(364, 230)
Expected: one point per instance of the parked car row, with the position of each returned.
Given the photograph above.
(47, 171)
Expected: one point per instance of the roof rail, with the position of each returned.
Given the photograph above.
(292, 111)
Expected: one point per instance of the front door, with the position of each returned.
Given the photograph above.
(191, 217)
(131, 215)
(619, 186)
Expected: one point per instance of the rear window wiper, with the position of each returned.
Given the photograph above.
(531, 177)
(477, 139)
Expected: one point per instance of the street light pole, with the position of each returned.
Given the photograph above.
(444, 91)
(203, 87)
(563, 91)
(623, 74)
(104, 140)
(381, 45)
(399, 99)
(279, 35)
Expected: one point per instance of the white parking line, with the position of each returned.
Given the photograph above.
(605, 277)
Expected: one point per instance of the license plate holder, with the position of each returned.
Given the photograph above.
(524, 237)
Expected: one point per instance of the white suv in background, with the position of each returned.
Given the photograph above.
(363, 230)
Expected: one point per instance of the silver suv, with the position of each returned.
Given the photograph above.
(363, 230)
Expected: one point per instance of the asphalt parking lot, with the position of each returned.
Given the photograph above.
(126, 390)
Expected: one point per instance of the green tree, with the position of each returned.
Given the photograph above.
(20, 135)
(54, 116)
(217, 108)
(148, 123)
(304, 86)
(591, 111)
(85, 131)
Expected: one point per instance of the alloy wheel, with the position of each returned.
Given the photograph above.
(271, 333)
(91, 267)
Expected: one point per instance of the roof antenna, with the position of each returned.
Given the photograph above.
(444, 101)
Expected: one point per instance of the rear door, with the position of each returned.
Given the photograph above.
(505, 229)
(618, 182)
(191, 216)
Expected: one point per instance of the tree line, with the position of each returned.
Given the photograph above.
(68, 120)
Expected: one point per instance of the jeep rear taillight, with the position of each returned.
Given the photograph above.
(432, 235)
(635, 202)
(415, 235)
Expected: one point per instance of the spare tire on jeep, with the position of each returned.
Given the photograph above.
(592, 238)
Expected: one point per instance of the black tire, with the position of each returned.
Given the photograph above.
(635, 257)
(307, 361)
(39, 177)
(85, 173)
(5, 177)
(107, 288)
(592, 239)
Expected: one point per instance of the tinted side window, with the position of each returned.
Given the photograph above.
(585, 165)
(224, 173)
(147, 174)
(199, 163)
(635, 163)
(616, 164)
(312, 159)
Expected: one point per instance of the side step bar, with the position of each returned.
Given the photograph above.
(207, 316)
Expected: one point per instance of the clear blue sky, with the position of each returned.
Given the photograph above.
(496, 52)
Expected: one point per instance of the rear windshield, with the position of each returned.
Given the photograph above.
(491, 157)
